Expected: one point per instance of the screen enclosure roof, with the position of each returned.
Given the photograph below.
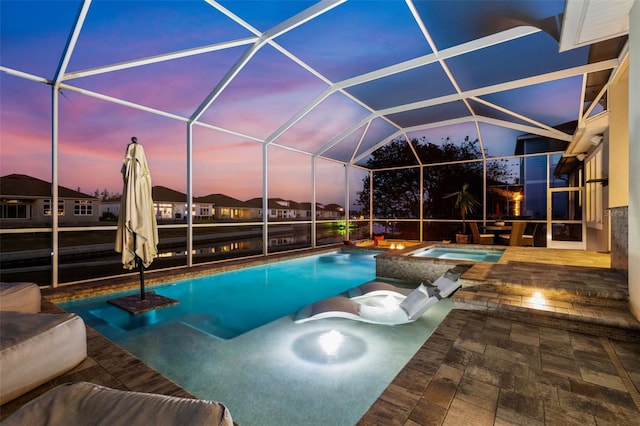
(334, 79)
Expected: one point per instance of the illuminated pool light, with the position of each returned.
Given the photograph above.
(538, 301)
(330, 342)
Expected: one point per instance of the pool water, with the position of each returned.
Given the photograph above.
(226, 305)
(276, 374)
(454, 253)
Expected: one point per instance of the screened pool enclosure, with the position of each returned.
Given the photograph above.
(279, 125)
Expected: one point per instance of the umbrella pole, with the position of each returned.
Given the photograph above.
(141, 266)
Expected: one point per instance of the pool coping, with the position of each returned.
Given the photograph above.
(155, 277)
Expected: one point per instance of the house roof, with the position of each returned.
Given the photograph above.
(18, 185)
(221, 200)
(275, 203)
(162, 193)
(334, 207)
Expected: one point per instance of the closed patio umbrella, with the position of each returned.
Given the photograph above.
(137, 235)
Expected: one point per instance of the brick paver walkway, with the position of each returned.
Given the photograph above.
(481, 370)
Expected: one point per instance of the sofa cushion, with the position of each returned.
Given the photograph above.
(23, 297)
(74, 404)
(35, 348)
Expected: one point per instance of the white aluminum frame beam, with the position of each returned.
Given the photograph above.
(55, 115)
(454, 51)
(159, 58)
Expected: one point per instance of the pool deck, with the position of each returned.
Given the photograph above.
(569, 356)
(500, 357)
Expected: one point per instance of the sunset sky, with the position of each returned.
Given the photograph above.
(352, 39)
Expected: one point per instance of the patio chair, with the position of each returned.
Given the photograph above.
(479, 238)
(528, 239)
(515, 237)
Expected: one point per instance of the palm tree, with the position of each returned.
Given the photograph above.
(466, 202)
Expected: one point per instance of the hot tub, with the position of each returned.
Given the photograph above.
(430, 261)
(460, 253)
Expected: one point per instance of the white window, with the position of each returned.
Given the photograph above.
(47, 207)
(164, 211)
(593, 187)
(83, 208)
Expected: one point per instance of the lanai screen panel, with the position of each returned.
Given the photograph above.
(226, 164)
(177, 86)
(357, 37)
(498, 141)
(445, 144)
(346, 149)
(406, 87)
(451, 25)
(119, 31)
(26, 143)
(316, 129)
(266, 71)
(35, 52)
(266, 92)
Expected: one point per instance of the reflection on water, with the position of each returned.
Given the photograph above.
(90, 260)
(291, 238)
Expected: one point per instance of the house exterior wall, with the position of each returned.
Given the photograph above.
(598, 237)
(233, 213)
(68, 216)
(112, 207)
(618, 148)
(634, 160)
(619, 139)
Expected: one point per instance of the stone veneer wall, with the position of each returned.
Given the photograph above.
(620, 238)
(417, 269)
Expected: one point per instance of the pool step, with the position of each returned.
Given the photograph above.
(582, 295)
(601, 316)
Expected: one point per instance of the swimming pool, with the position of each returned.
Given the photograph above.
(457, 253)
(277, 374)
(228, 304)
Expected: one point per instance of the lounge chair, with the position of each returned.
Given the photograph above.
(384, 310)
(479, 238)
(382, 303)
(447, 284)
(375, 288)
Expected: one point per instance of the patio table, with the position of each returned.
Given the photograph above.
(497, 230)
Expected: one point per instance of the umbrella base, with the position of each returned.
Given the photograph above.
(135, 306)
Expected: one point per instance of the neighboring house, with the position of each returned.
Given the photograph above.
(168, 204)
(288, 209)
(327, 212)
(110, 206)
(28, 200)
(223, 207)
(330, 211)
(277, 208)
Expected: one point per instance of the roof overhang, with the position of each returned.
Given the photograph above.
(587, 22)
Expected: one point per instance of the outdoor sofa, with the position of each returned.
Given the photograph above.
(83, 403)
(34, 347)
